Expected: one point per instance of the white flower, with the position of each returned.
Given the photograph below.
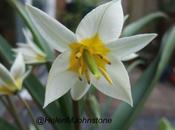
(31, 53)
(133, 55)
(90, 56)
(11, 81)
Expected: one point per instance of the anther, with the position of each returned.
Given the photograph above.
(87, 76)
(78, 55)
(105, 74)
(80, 78)
(105, 59)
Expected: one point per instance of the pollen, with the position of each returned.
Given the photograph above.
(90, 56)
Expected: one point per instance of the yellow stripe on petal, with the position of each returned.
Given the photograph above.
(5, 91)
(18, 83)
(41, 58)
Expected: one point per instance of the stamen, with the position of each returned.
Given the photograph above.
(80, 78)
(105, 74)
(78, 55)
(105, 59)
(87, 76)
(80, 69)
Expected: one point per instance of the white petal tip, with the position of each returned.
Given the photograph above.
(45, 104)
(128, 100)
(28, 5)
(154, 35)
(75, 98)
(131, 103)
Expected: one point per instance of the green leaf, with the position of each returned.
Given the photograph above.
(21, 10)
(124, 116)
(134, 65)
(137, 26)
(4, 125)
(36, 89)
(5, 49)
(165, 125)
(92, 107)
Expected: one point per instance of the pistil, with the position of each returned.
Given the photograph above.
(91, 64)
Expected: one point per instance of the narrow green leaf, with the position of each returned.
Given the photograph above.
(4, 48)
(165, 125)
(4, 125)
(125, 115)
(92, 107)
(134, 65)
(137, 26)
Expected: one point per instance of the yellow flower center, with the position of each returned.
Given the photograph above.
(11, 88)
(18, 83)
(90, 55)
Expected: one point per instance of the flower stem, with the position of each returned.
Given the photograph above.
(76, 114)
(29, 111)
(14, 113)
(5, 104)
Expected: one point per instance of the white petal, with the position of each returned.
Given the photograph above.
(126, 18)
(124, 46)
(130, 57)
(120, 89)
(106, 20)
(5, 76)
(28, 35)
(79, 89)
(37, 49)
(56, 34)
(2, 83)
(25, 50)
(26, 73)
(60, 80)
(29, 55)
(30, 42)
(18, 68)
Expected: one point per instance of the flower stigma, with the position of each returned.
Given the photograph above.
(89, 55)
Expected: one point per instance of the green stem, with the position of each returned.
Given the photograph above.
(5, 103)
(29, 111)
(76, 114)
(14, 113)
